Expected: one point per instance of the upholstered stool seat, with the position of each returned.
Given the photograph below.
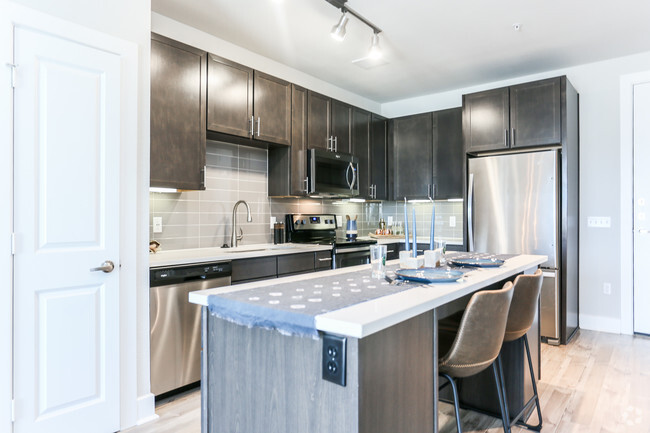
(477, 343)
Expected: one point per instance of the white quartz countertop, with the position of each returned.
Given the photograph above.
(366, 318)
(202, 255)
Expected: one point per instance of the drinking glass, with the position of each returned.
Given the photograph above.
(378, 261)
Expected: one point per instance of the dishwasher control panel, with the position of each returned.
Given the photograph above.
(173, 274)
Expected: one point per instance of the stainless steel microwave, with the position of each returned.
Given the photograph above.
(332, 174)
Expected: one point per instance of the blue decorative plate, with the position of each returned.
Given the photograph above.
(478, 263)
(429, 275)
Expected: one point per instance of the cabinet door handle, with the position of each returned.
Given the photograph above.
(252, 126)
(505, 139)
(306, 185)
(330, 145)
(512, 137)
(259, 122)
(390, 251)
(326, 259)
(336, 144)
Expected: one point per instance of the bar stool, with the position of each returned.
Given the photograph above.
(520, 318)
(477, 344)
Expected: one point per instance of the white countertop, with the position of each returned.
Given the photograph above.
(366, 318)
(201, 255)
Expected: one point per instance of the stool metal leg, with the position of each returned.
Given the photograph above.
(455, 392)
(534, 399)
(501, 393)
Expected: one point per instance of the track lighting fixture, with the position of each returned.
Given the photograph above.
(338, 31)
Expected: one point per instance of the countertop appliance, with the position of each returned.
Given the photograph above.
(321, 229)
(516, 203)
(175, 323)
(332, 174)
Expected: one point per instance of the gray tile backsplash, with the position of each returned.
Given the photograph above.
(199, 219)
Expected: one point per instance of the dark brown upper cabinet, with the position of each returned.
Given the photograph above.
(428, 155)
(288, 167)
(525, 115)
(535, 113)
(230, 97)
(319, 121)
(361, 149)
(247, 103)
(378, 163)
(341, 126)
(177, 115)
(272, 109)
(411, 144)
(329, 123)
(448, 154)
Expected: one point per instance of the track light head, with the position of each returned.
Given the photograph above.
(375, 50)
(338, 31)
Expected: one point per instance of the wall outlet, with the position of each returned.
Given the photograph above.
(157, 224)
(452, 221)
(607, 288)
(389, 220)
(334, 359)
(273, 220)
(599, 222)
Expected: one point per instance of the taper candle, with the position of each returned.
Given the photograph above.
(406, 229)
(433, 227)
(415, 236)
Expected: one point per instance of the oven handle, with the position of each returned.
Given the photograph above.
(351, 250)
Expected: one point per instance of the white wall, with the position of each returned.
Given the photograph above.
(599, 85)
(196, 38)
(131, 21)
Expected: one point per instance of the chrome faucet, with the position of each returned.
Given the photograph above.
(234, 238)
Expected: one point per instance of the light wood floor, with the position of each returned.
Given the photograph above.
(599, 383)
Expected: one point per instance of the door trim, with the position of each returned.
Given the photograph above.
(136, 403)
(627, 197)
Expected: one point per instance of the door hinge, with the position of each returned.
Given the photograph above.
(13, 244)
(13, 411)
(13, 74)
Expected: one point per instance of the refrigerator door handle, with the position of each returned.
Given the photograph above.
(470, 202)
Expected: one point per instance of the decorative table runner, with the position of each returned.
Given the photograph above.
(291, 307)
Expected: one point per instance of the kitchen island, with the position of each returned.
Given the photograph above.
(257, 379)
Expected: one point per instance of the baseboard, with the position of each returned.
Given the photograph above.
(599, 323)
(146, 409)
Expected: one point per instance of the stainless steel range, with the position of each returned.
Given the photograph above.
(321, 229)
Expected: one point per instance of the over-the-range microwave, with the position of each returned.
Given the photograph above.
(332, 174)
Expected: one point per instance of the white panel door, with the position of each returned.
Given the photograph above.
(642, 208)
(66, 323)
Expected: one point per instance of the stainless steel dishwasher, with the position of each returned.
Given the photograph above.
(175, 323)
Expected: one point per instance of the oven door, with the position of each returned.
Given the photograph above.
(353, 256)
(332, 174)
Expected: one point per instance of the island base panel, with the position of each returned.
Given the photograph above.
(260, 381)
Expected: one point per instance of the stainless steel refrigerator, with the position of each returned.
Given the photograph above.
(514, 205)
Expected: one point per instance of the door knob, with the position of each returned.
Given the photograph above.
(107, 267)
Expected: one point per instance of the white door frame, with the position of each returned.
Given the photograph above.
(627, 197)
(133, 264)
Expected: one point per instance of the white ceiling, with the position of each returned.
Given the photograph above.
(430, 45)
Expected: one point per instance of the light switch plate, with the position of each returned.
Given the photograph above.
(273, 220)
(157, 224)
(599, 222)
(389, 220)
(452, 221)
(339, 221)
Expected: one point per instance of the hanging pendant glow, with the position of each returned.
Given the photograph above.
(338, 31)
(375, 49)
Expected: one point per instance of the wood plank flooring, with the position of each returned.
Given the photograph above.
(599, 383)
